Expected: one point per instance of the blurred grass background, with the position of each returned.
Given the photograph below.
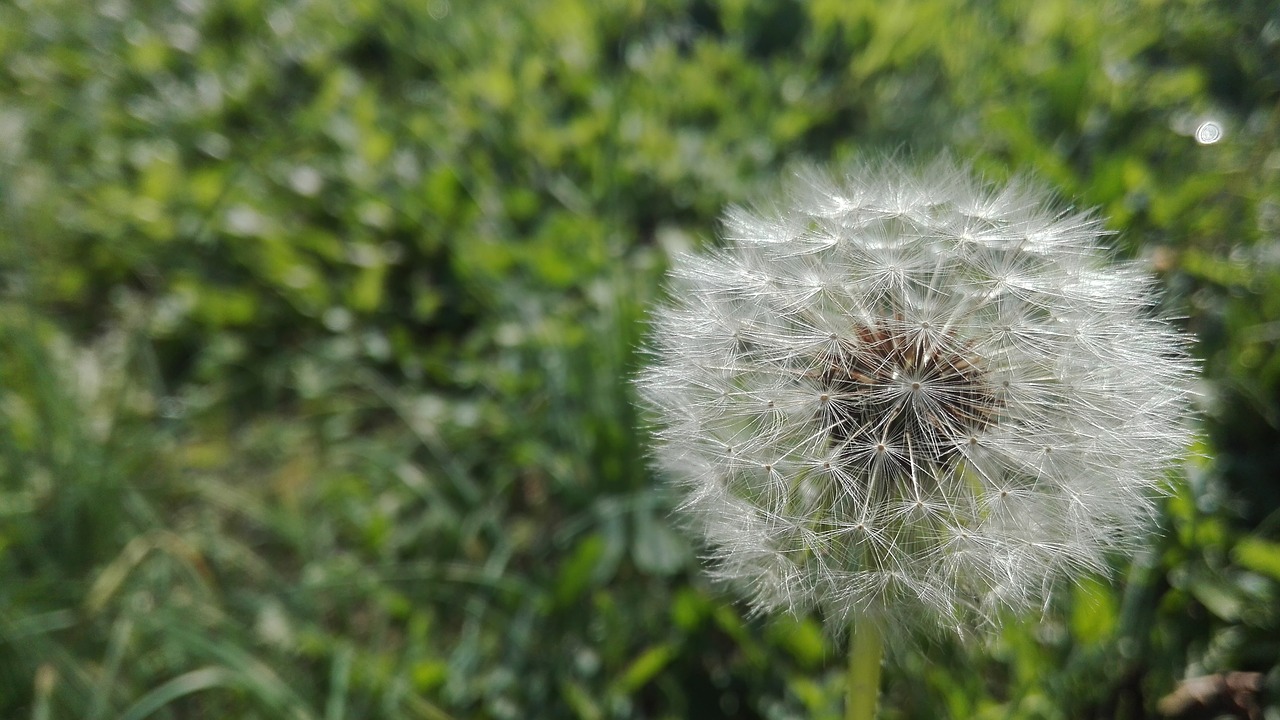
(317, 318)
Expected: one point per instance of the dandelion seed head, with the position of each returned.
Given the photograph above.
(914, 395)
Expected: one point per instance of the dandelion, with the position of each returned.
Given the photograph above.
(913, 401)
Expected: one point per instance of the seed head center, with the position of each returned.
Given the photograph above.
(949, 401)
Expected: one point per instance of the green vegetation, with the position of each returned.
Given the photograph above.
(317, 319)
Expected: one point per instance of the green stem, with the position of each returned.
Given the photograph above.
(866, 648)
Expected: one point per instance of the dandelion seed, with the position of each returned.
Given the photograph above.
(914, 397)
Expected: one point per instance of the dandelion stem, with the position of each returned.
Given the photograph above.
(866, 647)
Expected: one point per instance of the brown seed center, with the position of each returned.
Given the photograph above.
(913, 396)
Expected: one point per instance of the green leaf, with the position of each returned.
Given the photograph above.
(1093, 616)
(181, 686)
(584, 707)
(1217, 597)
(688, 609)
(801, 637)
(656, 548)
(644, 668)
(576, 573)
(1259, 555)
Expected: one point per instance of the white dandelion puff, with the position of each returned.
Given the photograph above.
(914, 397)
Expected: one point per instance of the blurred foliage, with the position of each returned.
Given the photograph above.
(317, 320)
